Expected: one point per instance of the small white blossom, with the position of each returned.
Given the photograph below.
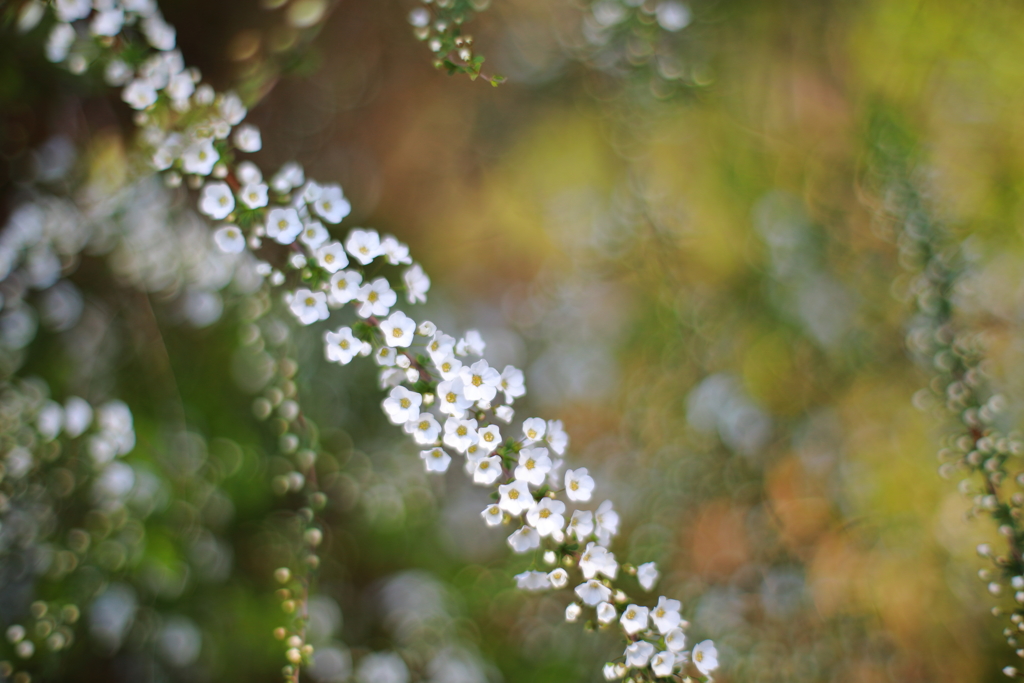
(217, 201)
(547, 516)
(556, 437)
(308, 194)
(158, 32)
(331, 204)
(424, 429)
(386, 356)
(376, 298)
(487, 471)
(138, 94)
(436, 460)
(417, 284)
(647, 574)
(331, 257)
(504, 413)
(578, 485)
(248, 173)
(638, 654)
(200, 158)
(402, 405)
(315, 234)
(532, 581)
(450, 367)
(229, 239)
(72, 10)
(614, 671)
(533, 429)
(309, 306)
(662, 664)
(231, 109)
(180, 88)
(460, 434)
(606, 522)
(572, 612)
(524, 540)
(493, 515)
(675, 640)
(596, 560)
(50, 420)
(426, 329)
(117, 72)
(283, 225)
(107, 23)
(559, 578)
(581, 524)
(77, 416)
(489, 438)
(481, 381)
(534, 465)
(398, 329)
(451, 398)
(289, 176)
(247, 138)
(472, 343)
(634, 619)
(515, 497)
(606, 613)
(593, 592)
(705, 657)
(364, 245)
(441, 346)
(394, 251)
(665, 614)
(512, 383)
(344, 286)
(254, 195)
(342, 346)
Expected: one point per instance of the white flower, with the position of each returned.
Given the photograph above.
(364, 245)
(117, 72)
(138, 94)
(581, 524)
(647, 574)
(424, 429)
(254, 195)
(512, 383)
(344, 286)
(489, 438)
(578, 484)
(675, 640)
(200, 158)
(309, 306)
(217, 201)
(72, 10)
(614, 671)
(441, 346)
(533, 429)
(493, 515)
(487, 471)
(472, 343)
(398, 329)
(504, 413)
(606, 522)
(481, 381)
(376, 298)
(229, 239)
(449, 367)
(593, 592)
(247, 138)
(158, 32)
(107, 23)
(532, 581)
(417, 284)
(331, 256)
(77, 416)
(395, 252)
(572, 612)
(634, 619)
(248, 173)
(662, 664)
(559, 578)
(451, 398)
(231, 109)
(402, 405)
(534, 465)
(460, 434)
(283, 225)
(666, 614)
(606, 613)
(515, 497)
(596, 560)
(180, 88)
(436, 460)
(638, 654)
(524, 539)
(290, 175)
(705, 657)
(556, 437)
(546, 517)
(50, 420)
(342, 346)
(331, 205)
(315, 234)
(385, 356)
(426, 329)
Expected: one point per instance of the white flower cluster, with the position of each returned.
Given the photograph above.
(443, 393)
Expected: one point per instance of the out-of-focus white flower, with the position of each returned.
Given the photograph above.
(315, 234)
(117, 72)
(581, 524)
(72, 10)
(534, 465)
(672, 16)
(662, 664)
(200, 158)
(436, 460)
(593, 592)
(606, 522)
(504, 413)
(344, 286)
(424, 429)
(515, 497)
(487, 470)
(606, 613)
(532, 581)
(441, 346)
(283, 225)
(77, 416)
(524, 539)
(675, 640)
(395, 252)
(364, 245)
(559, 578)
(705, 657)
(398, 329)
(402, 405)
(596, 560)
(248, 173)
(556, 436)
(217, 200)
(638, 654)
(341, 346)
(578, 485)
(471, 344)
(229, 239)
(547, 516)
(665, 614)
(107, 22)
(634, 619)
(50, 420)
(493, 515)
(254, 195)
(247, 138)
(289, 176)
(376, 298)
(614, 671)
(138, 94)
(572, 612)
(331, 257)
(647, 574)
(231, 109)
(512, 383)
(331, 204)
(309, 306)
(417, 284)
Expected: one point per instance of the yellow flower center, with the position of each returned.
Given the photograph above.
(405, 403)
(477, 380)
(574, 485)
(513, 494)
(310, 301)
(530, 464)
(461, 430)
(451, 397)
(424, 426)
(532, 433)
(343, 344)
(282, 224)
(488, 437)
(372, 296)
(545, 513)
(328, 258)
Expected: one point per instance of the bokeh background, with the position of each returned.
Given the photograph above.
(685, 242)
